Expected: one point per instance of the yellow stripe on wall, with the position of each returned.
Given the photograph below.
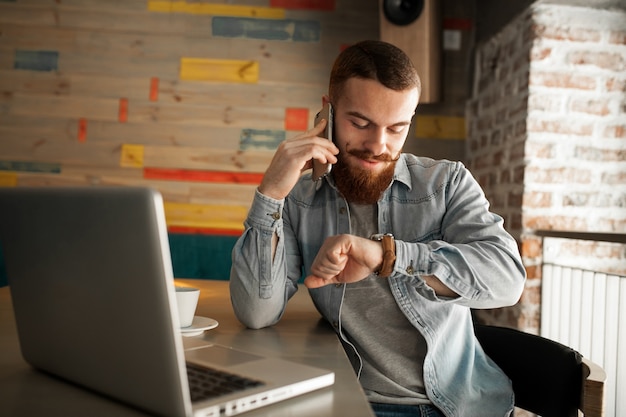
(225, 70)
(440, 127)
(131, 156)
(215, 9)
(205, 216)
(8, 179)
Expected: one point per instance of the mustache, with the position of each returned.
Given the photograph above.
(369, 156)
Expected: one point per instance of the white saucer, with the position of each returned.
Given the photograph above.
(198, 326)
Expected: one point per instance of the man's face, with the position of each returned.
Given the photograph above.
(371, 125)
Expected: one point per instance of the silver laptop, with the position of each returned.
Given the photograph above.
(92, 286)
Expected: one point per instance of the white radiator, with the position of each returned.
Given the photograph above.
(586, 311)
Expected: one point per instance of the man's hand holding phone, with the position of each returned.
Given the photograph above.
(295, 155)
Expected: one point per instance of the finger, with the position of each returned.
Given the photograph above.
(316, 282)
(327, 268)
(308, 142)
(328, 264)
(307, 165)
(318, 128)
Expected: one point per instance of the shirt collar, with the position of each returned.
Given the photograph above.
(401, 172)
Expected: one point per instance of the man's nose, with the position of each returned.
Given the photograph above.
(376, 141)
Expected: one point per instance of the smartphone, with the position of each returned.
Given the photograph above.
(321, 170)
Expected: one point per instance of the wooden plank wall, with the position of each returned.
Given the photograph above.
(188, 97)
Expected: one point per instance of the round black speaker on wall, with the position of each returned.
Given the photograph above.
(402, 12)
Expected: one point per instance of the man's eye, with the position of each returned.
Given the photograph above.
(359, 126)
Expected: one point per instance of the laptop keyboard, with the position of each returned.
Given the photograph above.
(205, 383)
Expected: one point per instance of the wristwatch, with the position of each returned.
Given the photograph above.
(389, 253)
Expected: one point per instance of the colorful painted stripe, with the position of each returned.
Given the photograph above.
(82, 130)
(131, 156)
(36, 60)
(27, 166)
(296, 119)
(215, 9)
(122, 115)
(260, 139)
(154, 89)
(8, 179)
(224, 70)
(202, 176)
(265, 29)
(325, 5)
(208, 217)
(440, 127)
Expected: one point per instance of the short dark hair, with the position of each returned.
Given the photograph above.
(374, 60)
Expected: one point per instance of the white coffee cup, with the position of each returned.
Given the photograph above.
(187, 300)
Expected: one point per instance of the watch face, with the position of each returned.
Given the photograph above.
(380, 236)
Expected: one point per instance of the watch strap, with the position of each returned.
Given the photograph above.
(389, 253)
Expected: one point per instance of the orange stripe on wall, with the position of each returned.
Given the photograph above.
(82, 130)
(202, 176)
(123, 110)
(154, 89)
(296, 119)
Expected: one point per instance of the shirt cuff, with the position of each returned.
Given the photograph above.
(265, 212)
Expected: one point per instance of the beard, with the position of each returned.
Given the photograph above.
(359, 185)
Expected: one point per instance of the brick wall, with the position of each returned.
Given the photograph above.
(547, 134)
(496, 116)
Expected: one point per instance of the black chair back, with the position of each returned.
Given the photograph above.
(546, 375)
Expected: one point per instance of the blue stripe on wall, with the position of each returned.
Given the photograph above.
(268, 29)
(25, 166)
(36, 60)
(260, 139)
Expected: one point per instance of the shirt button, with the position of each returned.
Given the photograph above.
(276, 216)
(342, 210)
(338, 285)
(410, 270)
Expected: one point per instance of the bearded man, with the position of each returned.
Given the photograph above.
(408, 243)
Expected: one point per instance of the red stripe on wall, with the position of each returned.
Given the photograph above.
(202, 176)
(82, 130)
(154, 89)
(123, 111)
(296, 119)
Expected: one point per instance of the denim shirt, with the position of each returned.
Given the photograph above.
(442, 225)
